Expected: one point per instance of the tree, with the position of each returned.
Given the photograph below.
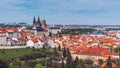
(116, 50)
(39, 66)
(55, 52)
(100, 61)
(64, 52)
(33, 49)
(80, 64)
(69, 54)
(109, 63)
(43, 62)
(3, 64)
(62, 64)
(119, 52)
(30, 64)
(50, 34)
(89, 62)
(59, 48)
(49, 63)
(69, 59)
(75, 62)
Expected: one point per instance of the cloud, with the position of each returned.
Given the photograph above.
(10, 5)
(61, 11)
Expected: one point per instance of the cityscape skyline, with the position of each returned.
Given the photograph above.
(95, 12)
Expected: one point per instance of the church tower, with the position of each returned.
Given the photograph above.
(44, 25)
(38, 21)
(34, 21)
(39, 26)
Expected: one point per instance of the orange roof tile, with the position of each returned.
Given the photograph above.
(14, 29)
(109, 40)
(34, 39)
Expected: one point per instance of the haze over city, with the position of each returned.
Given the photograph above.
(101, 12)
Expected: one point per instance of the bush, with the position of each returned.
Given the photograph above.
(89, 62)
(16, 62)
(32, 56)
(28, 57)
(39, 66)
(3, 64)
(43, 62)
(31, 64)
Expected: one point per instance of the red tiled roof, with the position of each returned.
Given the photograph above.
(34, 39)
(14, 29)
(95, 51)
(109, 40)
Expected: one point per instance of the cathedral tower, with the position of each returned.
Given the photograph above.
(44, 25)
(34, 22)
(38, 21)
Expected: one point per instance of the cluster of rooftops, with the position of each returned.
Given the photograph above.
(91, 45)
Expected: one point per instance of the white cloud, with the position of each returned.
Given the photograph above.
(61, 11)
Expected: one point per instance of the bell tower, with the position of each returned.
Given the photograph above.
(44, 25)
(38, 21)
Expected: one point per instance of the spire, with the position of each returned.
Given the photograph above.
(39, 21)
(34, 23)
(44, 22)
(34, 20)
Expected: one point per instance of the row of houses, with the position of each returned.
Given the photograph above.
(82, 46)
(9, 36)
(19, 37)
(14, 36)
(88, 46)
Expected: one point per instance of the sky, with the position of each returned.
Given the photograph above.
(83, 12)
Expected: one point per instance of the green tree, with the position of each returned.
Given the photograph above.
(43, 62)
(50, 34)
(39, 66)
(30, 64)
(75, 62)
(80, 64)
(3, 64)
(64, 52)
(62, 64)
(56, 55)
(88, 62)
(59, 48)
(100, 61)
(109, 63)
(69, 59)
(49, 63)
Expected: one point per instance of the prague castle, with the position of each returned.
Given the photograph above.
(39, 25)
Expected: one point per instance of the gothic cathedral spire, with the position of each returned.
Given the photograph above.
(34, 21)
(38, 21)
(44, 25)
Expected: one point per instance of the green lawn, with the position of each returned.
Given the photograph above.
(13, 53)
